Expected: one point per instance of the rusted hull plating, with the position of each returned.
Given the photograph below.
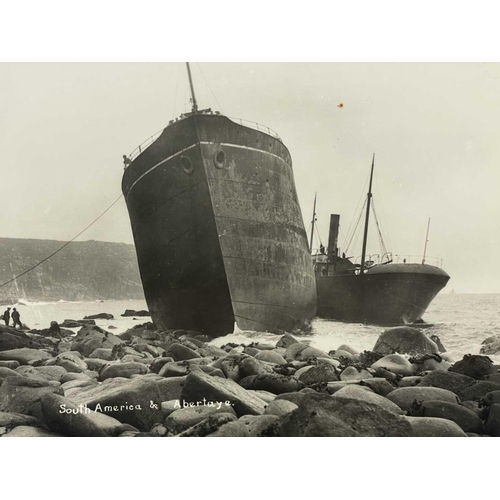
(218, 230)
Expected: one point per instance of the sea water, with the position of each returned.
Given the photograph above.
(462, 322)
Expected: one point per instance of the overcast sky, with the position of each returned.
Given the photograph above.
(434, 129)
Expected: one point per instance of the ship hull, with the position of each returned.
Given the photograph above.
(218, 230)
(391, 294)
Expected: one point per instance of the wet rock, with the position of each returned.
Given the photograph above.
(318, 374)
(361, 394)
(11, 420)
(71, 362)
(7, 372)
(257, 424)
(252, 366)
(271, 357)
(181, 352)
(473, 365)
(466, 419)
(28, 431)
(231, 429)
(125, 370)
(183, 418)
(286, 341)
(24, 355)
(171, 387)
(491, 345)
(438, 342)
(199, 385)
(454, 382)
(64, 417)
(395, 363)
(477, 391)
(208, 426)
(90, 338)
(100, 316)
(106, 354)
(405, 397)
(434, 427)
(271, 382)
(280, 407)
(70, 323)
(12, 365)
(21, 394)
(349, 349)
(352, 373)
(310, 352)
(42, 372)
(492, 424)
(130, 312)
(378, 385)
(411, 381)
(320, 415)
(133, 401)
(405, 340)
(294, 350)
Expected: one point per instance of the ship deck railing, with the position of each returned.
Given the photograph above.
(387, 258)
(246, 123)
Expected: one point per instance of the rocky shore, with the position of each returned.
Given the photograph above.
(145, 382)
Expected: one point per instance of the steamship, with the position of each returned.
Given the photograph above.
(217, 226)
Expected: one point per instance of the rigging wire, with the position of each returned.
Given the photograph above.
(363, 195)
(209, 88)
(384, 216)
(383, 248)
(63, 246)
(355, 230)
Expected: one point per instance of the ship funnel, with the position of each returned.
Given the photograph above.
(333, 236)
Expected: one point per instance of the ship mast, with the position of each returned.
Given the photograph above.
(365, 235)
(313, 221)
(195, 105)
(426, 239)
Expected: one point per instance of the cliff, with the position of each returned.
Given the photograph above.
(86, 270)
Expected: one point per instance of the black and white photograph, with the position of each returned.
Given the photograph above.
(249, 249)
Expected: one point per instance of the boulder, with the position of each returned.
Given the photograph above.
(252, 366)
(125, 370)
(475, 366)
(231, 429)
(64, 417)
(466, 419)
(492, 424)
(10, 420)
(24, 355)
(71, 362)
(133, 401)
(405, 340)
(294, 350)
(100, 316)
(89, 338)
(101, 353)
(406, 397)
(411, 381)
(181, 352)
(7, 372)
(394, 363)
(12, 339)
(42, 372)
(490, 398)
(434, 427)
(361, 394)
(28, 431)
(286, 341)
(131, 312)
(479, 390)
(208, 425)
(454, 382)
(491, 345)
(12, 365)
(352, 373)
(170, 387)
(183, 418)
(257, 424)
(200, 386)
(310, 352)
(267, 397)
(378, 385)
(320, 415)
(20, 394)
(271, 357)
(271, 382)
(280, 407)
(318, 374)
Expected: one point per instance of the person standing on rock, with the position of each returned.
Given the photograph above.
(16, 318)
(6, 316)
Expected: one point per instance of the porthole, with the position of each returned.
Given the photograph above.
(220, 159)
(187, 165)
